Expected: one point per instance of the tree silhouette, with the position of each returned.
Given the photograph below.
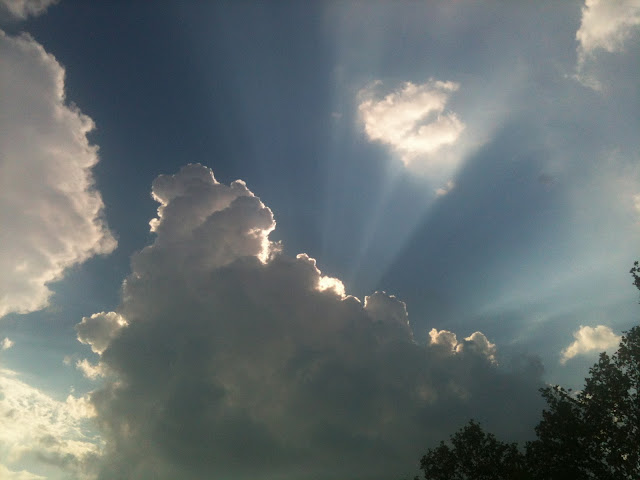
(594, 433)
(474, 455)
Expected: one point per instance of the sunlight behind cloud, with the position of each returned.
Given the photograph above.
(222, 350)
(38, 429)
(413, 121)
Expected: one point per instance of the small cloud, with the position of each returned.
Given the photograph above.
(636, 202)
(589, 339)
(413, 121)
(6, 344)
(477, 342)
(98, 329)
(445, 189)
(90, 370)
(605, 27)
(21, 9)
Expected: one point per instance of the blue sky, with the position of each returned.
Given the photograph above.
(478, 163)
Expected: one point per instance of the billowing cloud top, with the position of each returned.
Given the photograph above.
(50, 212)
(229, 358)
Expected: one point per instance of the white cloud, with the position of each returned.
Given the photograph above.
(50, 212)
(6, 344)
(636, 202)
(39, 429)
(239, 361)
(24, 8)
(477, 342)
(590, 339)
(413, 121)
(606, 24)
(98, 329)
(90, 370)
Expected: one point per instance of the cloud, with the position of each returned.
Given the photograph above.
(90, 370)
(477, 342)
(445, 189)
(7, 474)
(413, 121)
(98, 329)
(606, 24)
(590, 339)
(41, 430)
(22, 9)
(50, 211)
(239, 361)
(6, 344)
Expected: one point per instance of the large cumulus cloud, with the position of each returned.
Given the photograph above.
(233, 360)
(50, 211)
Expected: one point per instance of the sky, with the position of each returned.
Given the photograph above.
(285, 240)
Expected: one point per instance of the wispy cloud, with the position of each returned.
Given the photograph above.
(6, 344)
(40, 429)
(22, 9)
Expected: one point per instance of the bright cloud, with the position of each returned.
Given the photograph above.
(590, 339)
(413, 121)
(606, 24)
(50, 212)
(39, 429)
(24, 8)
(236, 360)
(98, 329)
(476, 342)
(6, 344)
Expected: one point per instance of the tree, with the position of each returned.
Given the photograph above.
(590, 434)
(635, 272)
(594, 433)
(474, 455)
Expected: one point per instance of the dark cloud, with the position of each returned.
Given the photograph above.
(238, 360)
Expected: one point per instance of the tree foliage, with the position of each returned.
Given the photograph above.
(590, 434)
(595, 433)
(474, 455)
